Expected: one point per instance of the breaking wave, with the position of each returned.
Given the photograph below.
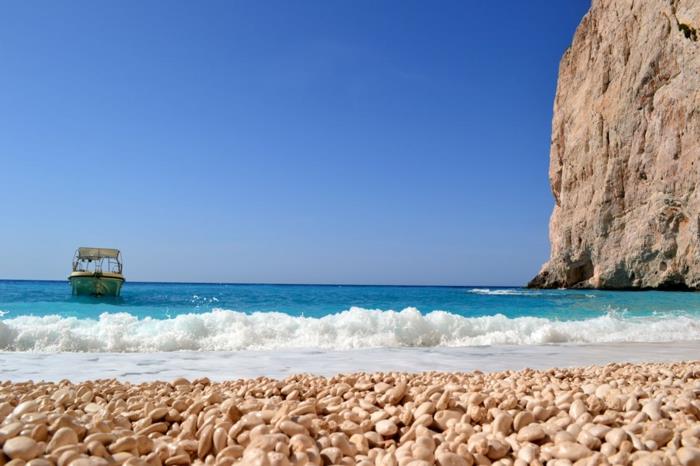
(519, 292)
(221, 329)
(502, 292)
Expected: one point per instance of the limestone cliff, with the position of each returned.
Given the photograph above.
(625, 150)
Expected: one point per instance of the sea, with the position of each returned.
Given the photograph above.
(224, 330)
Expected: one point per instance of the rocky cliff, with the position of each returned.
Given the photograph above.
(625, 150)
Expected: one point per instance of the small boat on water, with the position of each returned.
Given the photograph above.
(97, 272)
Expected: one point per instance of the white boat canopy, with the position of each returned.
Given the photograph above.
(97, 253)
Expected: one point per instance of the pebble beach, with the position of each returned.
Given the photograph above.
(616, 414)
(314, 233)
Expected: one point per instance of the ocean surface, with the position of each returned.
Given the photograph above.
(43, 317)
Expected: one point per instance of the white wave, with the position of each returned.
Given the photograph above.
(516, 292)
(221, 330)
(502, 292)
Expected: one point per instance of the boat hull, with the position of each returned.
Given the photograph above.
(88, 284)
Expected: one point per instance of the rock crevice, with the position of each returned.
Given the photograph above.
(625, 150)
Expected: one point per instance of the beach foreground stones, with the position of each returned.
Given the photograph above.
(619, 414)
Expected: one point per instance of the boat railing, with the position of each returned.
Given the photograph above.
(98, 263)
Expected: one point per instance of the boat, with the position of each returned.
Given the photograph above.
(97, 272)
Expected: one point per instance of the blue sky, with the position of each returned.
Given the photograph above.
(397, 142)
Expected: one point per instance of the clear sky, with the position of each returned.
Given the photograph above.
(397, 142)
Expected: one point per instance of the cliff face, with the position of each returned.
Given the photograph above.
(625, 151)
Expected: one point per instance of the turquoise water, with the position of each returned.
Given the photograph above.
(163, 300)
(43, 316)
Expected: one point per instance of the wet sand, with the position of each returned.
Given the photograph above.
(224, 365)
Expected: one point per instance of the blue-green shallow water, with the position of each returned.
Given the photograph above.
(42, 315)
(164, 300)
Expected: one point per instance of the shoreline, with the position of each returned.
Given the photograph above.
(278, 364)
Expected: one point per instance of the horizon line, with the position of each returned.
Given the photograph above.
(275, 284)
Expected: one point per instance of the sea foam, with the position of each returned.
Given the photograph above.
(502, 292)
(226, 330)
